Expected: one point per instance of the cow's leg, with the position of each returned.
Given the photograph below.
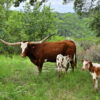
(40, 69)
(67, 66)
(72, 65)
(95, 83)
(40, 64)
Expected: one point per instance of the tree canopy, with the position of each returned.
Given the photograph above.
(86, 6)
(90, 8)
(33, 2)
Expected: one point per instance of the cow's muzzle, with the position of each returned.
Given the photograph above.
(23, 55)
(83, 69)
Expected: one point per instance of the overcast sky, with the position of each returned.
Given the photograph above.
(57, 5)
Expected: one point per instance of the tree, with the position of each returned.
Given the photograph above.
(38, 22)
(86, 6)
(95, 23)
(4, 14)
(32, 2)
(30, 25)
(91, 8)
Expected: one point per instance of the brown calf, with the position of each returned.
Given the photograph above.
(94, 70)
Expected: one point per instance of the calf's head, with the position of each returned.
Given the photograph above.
(63, 60)
(59, 60)
(86, 64)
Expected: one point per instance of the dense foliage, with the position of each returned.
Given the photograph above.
(32, 2)
(86, 6)
(30, 25)
(90, 8)
(71, 25)
(95, 23)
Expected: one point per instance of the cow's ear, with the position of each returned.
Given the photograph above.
(90, 63)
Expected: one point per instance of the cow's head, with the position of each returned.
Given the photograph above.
(24, 45)
(86, 64)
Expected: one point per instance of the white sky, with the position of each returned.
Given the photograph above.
(57, 5)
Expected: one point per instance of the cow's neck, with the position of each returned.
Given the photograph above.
(32, 54)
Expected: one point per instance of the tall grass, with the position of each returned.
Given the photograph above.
(20, 80)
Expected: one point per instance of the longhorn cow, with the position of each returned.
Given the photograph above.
(41, 51)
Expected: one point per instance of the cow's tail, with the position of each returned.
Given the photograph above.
(75, 57)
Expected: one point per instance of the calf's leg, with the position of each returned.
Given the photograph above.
(59, 71)
(95, 83)
(67, 66)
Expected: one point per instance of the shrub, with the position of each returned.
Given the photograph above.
(88, 49)
(93, 53)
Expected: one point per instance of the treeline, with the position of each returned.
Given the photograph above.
(72, 25)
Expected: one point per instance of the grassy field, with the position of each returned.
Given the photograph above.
(20, 80)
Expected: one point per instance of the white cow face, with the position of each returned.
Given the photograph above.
(59, 60)
(86, 64)
(24, 46)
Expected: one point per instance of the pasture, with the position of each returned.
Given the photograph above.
(20, 80)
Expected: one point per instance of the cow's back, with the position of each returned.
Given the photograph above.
(70, 48)
(51, 49)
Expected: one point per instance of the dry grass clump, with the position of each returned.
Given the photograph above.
(88, 50)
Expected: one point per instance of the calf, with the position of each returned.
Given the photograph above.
(94, 70)
(62, 62)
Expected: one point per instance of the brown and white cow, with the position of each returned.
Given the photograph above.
(41, 51)
(94, 69)
(62, 62)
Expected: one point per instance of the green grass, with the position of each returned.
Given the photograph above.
(20, 80)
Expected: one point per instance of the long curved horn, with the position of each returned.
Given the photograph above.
(7, 43)
(46, 38)
(41, 40)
